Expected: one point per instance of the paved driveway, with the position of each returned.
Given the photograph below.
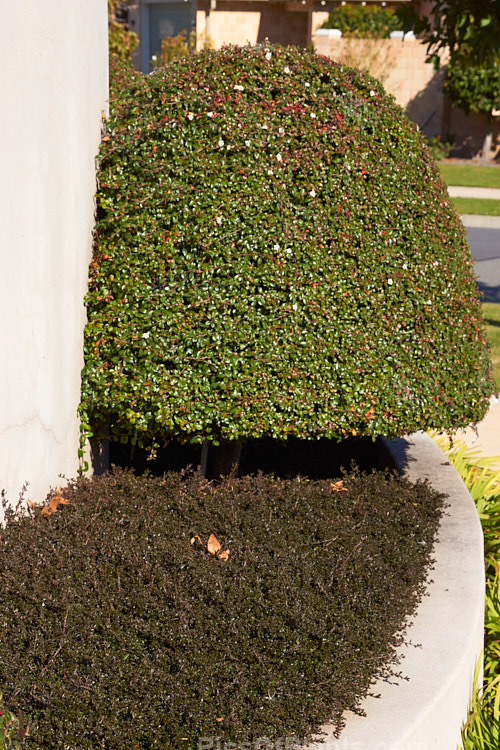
(484, 239)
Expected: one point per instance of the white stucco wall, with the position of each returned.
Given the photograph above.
(53, 68)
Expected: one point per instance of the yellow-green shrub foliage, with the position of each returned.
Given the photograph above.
(275, 254)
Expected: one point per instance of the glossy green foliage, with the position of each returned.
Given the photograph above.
(468, 31)
(463, 28)
(473, 88)
(275, 255)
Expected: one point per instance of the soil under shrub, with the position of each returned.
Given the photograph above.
(316, 459)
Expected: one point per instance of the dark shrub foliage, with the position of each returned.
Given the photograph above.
(117, 632)
(276, 255)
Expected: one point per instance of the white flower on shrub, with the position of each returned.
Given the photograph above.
(279, 157)
(312, 193)
(237, 87)
(218, 220)
(268, 55)
(220, 143)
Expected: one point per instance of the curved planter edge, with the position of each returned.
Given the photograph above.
(445, 639)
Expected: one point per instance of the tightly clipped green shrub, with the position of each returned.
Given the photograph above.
(122, 627)
(275, 255)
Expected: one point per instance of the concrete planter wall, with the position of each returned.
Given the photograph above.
(446, 637)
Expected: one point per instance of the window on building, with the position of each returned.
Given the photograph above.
(160, 20)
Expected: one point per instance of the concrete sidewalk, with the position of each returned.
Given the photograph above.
(486, 438)
(477, 220)
(486, 441)
(474, 192)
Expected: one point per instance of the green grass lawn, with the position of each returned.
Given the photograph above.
(470, 175)
(491, 312)
(482, 206)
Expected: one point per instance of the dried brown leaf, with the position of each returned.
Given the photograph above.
(54, 504)
(337, 486)
(213, 545)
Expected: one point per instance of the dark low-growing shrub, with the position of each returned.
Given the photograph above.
(124, 626)
(276, 255)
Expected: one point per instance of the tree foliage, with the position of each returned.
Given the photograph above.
(473, 88)
(469, 32)
(122, 41)
(464, 28)
(275, 255)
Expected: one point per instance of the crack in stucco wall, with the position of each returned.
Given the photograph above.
(29, 421)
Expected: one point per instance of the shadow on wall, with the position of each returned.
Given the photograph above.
(434, 115)
(426, 108)
(432, 112)
(469, 132)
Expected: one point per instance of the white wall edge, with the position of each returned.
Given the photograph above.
(54, 63)
(330, 33)
(427, 711)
